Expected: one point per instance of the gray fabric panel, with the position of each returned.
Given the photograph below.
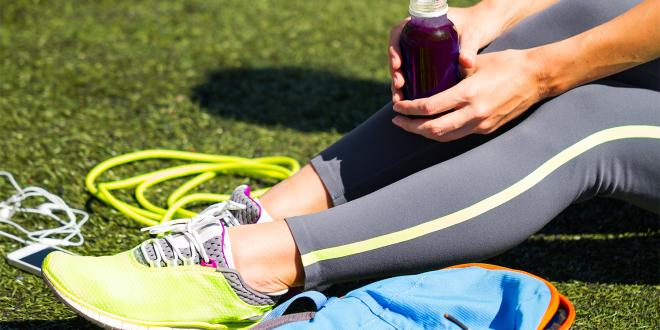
(214, 249)
(251, 214)
(151, 252)
(327, 170)
(140, 257)
(243, 291)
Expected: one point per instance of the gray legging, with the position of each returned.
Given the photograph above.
(405, 204)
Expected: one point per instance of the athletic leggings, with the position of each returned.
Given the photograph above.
(404, 204)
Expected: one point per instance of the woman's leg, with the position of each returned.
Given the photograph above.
(302, 193)
(377, 153)
(414, 223)
(594, 140)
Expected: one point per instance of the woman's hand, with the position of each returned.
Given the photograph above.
(483, 27)
(503, 86)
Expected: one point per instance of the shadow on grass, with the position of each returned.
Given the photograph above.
(302, 99)
(603, 216)
(600, 241)
(73, 323)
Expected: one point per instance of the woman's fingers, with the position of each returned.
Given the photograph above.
(395, 60)
(469, 46)
(397, 95)
(413, 125)
(467, 57)
(397, 79)
(394, 50)
(468, 53)
(457, 134)
(438, 103)
(448, 127)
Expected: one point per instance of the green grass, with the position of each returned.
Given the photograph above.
(81, 81)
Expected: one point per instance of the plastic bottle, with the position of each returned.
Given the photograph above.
(429, 50)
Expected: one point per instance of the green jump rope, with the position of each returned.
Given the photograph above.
(203, 167)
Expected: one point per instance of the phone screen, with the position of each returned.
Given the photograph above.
(37, 258)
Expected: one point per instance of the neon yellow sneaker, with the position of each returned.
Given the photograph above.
(179, 281)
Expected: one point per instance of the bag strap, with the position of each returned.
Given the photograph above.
(283, 320)
(314, 299)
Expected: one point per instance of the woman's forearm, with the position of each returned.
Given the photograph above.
(508, 13)
(624, 42)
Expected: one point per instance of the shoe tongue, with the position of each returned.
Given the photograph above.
(211, 235)
(252, 210)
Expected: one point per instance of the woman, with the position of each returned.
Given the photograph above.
(561, 105)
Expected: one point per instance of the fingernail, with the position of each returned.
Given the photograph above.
(395, 121)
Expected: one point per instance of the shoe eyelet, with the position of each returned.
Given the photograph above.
(212, 263)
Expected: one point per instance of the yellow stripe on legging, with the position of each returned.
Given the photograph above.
(483, 206)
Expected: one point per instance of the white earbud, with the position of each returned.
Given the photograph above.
(68, 234)
(5, 211)
(46, 208)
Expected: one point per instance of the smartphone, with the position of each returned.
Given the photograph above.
(31, 257)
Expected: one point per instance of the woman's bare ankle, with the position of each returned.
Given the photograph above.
(303, 193)
(255, 279)
(266, 256)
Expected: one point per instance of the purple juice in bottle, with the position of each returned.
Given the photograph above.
(429, 50)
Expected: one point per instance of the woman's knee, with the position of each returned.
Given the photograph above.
(561, 21)
(603, 105)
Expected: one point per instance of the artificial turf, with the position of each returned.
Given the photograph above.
(81, 81)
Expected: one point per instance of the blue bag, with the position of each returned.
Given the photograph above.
(470, 296)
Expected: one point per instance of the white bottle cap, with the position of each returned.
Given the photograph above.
(428, 8)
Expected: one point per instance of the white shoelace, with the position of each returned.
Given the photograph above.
(70, 219)
(189, 229)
